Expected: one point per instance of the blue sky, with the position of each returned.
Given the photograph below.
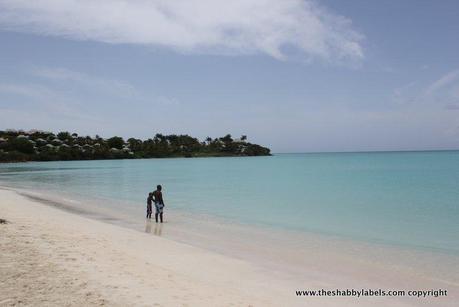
(294, 75)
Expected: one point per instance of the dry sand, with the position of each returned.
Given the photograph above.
(50, 257)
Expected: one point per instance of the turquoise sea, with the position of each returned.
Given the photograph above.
(408, 199)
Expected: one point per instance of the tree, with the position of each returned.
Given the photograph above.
(115, 142)
(22, 145)
(17, 145)
(63, 135)
(227, 138)
(135, 144)
(228, 143)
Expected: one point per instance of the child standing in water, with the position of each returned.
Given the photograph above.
(149, 203)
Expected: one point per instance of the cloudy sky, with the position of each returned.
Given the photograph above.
(295, 75)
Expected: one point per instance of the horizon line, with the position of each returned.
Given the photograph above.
(364, 151)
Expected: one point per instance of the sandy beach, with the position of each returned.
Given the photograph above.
(51, 257)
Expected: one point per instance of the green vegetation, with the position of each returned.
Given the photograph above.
(19, 146)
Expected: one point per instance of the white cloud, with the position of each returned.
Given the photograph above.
(444, 90)
(36, 93)
(199, 26)
(102, 85)
(63, 93)
(38, 99)
(444, 81)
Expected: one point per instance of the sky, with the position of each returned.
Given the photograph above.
(293, 75)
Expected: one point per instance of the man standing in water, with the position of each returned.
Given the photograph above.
(159, 203)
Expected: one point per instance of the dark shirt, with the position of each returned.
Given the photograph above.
(158, 197)
(149, 200)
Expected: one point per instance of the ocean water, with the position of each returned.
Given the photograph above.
(408, 199)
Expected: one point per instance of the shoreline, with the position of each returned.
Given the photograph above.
(111, 265)
(92, 208)
(315, 263)
(242, 156)
(160, 158)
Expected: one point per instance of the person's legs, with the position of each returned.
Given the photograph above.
(156, 217)
(161, 217)
(149, 212)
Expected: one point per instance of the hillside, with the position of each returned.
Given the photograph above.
(18, 146)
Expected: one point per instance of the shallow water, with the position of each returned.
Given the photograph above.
(407, 199)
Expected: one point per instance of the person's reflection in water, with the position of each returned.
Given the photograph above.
(148, 226)
(158, 229)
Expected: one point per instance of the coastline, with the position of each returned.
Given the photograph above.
(38, 145)
(234, 272)
(198, 156)
(93, 263)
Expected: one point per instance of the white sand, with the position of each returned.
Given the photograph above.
(50, 257)
(53, 257)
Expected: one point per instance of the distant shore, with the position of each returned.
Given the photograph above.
(23, 146)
